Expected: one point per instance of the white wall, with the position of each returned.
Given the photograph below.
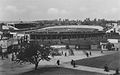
(103, 46)
(94, 47)
(113, 40)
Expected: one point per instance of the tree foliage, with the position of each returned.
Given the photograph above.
(12, 49)
(32, 53)
(109, 46)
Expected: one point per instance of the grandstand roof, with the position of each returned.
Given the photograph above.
(76, 26)
(69, 28)
(72, 28)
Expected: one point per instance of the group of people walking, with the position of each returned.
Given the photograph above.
(72, 63)
(88, 54)
(106, 68)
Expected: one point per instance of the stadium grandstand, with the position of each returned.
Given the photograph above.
(81, 36)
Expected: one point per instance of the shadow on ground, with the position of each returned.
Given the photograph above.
(58, 71)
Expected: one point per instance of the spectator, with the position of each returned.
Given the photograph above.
(106, 68)
(101, 51)
(117, 49)
(65, 54)
(12, 59)
(87, 54)
(52, 55)
(90, 53)
(2, 56)
(117, 71)
(58, 62)
(74, 64)
(72, 61)
(62, 52)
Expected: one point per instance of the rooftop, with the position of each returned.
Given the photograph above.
(69, 28)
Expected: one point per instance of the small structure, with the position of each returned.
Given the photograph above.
(115, 42)
(103, 44)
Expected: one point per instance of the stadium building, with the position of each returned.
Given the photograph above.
(75, 36)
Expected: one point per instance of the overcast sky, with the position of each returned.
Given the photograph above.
(54, 9)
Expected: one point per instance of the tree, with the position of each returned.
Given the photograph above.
(67, 47)
(109, 46)
(32, 53)
(13, 49)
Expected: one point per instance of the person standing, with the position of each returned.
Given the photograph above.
(65, 54)
(106, 68)
(62, 52)
(101, 51)
(2, 56)
(12, 59)
(58, 62)
(117, 49)
(90, 53)
(74, 64)
(72, 61)
(117, 71)
(87, 54)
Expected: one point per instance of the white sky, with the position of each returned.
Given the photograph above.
(54, 9)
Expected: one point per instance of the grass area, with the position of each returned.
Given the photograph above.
(58, 71)
(112, 60)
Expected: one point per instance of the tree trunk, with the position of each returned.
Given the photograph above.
(36, 66)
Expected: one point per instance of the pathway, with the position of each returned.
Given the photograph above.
(86, 68)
